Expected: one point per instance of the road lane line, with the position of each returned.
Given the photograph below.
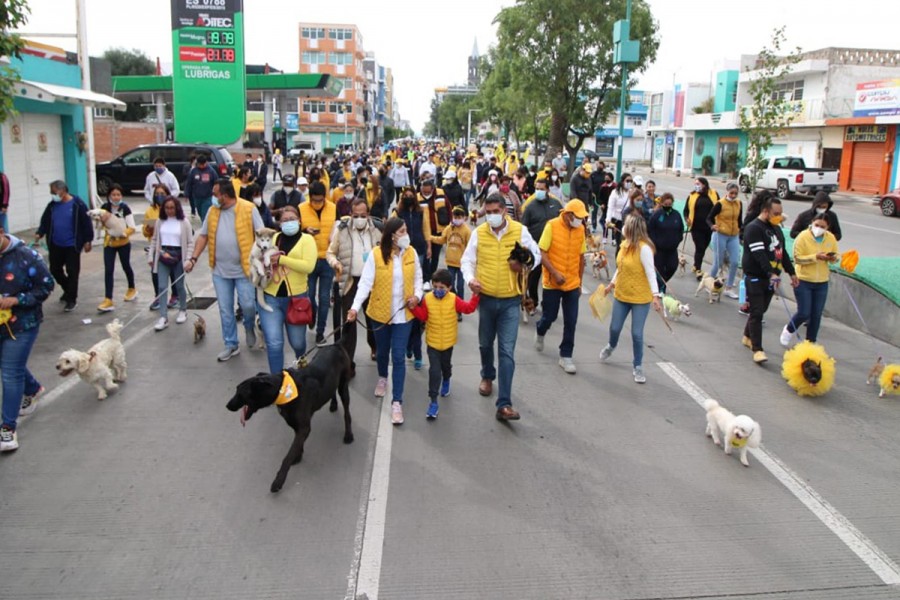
(374, 512)
(844, 221)
(880, 563)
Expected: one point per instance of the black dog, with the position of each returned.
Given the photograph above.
(812, 371)
(322, 380)
(522, 255)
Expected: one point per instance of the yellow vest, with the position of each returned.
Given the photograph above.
(565, 255)
(491, 268)
(727, 219)
(243, 223)
(441, 329)
(631, 282)
(692, 200)
(382, 296)
(309, 218)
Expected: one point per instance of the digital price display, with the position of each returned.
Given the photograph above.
(209, 77)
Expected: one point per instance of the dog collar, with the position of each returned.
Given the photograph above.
(288, 390)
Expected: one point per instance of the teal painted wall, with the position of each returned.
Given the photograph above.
(711, 147)
(71, 116)
(726, 84)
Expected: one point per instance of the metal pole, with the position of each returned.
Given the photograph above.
(85, 63)
(469, 128)
(622, 105)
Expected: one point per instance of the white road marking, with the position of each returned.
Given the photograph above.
(886, 569)
(373, 512)
(844, 221)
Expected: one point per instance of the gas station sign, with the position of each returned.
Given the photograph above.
(208, 78)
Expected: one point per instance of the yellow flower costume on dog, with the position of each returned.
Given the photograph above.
(889, 380)
(792, 369)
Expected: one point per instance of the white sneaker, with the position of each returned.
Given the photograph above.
(181, 318)
(8, 439)
(786, 337)
(538, 342)
(396, 413)
(639, 376)
(29, 403)
(381, 387)
(161, 324)
(731, 293)
(426, 287)
(606, 352)
(567, 365)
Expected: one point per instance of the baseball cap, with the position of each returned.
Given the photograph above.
(302, 181)
(287, 180)
(576, 207)
(638, 181)
(587, 168)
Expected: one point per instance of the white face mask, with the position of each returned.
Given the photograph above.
(821, 211)
(731, 199)
(576, 222)
(458, 222)
(403, 242)
(494, 220)
(257, 200)
(360, 222)
(818, 231)
(348, 195)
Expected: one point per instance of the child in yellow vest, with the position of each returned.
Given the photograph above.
(439, 308)
(456, 237)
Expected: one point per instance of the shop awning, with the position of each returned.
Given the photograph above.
(48, 92)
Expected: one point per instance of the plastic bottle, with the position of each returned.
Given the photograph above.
(742, 293)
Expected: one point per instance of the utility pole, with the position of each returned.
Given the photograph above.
(85, 63)
(626, 51)
(469, 126)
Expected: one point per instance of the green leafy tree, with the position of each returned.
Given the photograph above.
(13, 15)
(769, 112)
(130, 62)
(449, 117)
(566, 48)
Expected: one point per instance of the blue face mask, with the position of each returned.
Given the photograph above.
(540, 194)
(160, 170)
(216, 203)
(55, 198)
(440, 293)
(290, 228)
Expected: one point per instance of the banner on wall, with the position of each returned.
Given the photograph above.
(877, 98)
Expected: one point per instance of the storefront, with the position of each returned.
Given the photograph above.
(867, 157)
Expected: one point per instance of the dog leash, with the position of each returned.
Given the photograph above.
(156, 299)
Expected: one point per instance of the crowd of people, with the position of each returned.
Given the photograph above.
(402, 234)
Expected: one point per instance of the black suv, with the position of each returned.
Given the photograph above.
(131, 169)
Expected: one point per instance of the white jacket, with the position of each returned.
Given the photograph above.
(167, 179)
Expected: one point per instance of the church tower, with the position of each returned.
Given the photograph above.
(473, 66)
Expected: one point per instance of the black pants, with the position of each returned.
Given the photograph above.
(439, 369)
(109, 265)
(432, 264)
(65, 266)
(759, 295)
(701, 238)
(534, 283)
(666, 262)
(349, 331)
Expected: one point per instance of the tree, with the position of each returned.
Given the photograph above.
(130, 62)
(704, 107)
(13, 14)
(567, 48)
(393, 133)
(449, 117)
(770, 112)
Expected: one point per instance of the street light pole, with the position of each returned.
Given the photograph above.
(344, 110)
(469, 126)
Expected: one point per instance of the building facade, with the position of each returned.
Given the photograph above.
(636, 143)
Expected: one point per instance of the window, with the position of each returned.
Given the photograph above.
(348, 83)
(636, 120)
(138, 157)
(789, 91)
(313, 33)
(341, 108)
(314, 106)
(102, 113)
(313, 58)
(340, 58)
(340, 34)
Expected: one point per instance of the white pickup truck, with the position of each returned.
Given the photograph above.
(788, 175)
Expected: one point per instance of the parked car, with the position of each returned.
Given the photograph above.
(308, 147)
(789, 175)
(889, 203)
(131, 168)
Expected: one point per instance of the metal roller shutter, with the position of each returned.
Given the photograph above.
(868, 159)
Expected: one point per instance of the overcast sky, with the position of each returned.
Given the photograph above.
(427, 42)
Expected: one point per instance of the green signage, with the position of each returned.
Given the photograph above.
(208, 77)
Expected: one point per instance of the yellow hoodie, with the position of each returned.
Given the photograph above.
(809, 268)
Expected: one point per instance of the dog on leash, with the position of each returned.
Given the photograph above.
(525, 259)
(889, 381)
(101, 366)
(599, 263)
(298, 394)
(682, 263)
(875, 371)
(738, 431)
(103, 219)
(199, 328)
(261, 267)
(675, 309)
(713, 287)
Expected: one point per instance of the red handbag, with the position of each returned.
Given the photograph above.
(299, 311)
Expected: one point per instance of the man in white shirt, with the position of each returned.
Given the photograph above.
(161, 175)
(488, 272)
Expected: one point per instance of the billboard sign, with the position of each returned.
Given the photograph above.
(877, 98)
(208, 76)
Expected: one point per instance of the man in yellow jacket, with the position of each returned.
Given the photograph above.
(562, 256)
(230, 231)
(317, 218)
(486, 268)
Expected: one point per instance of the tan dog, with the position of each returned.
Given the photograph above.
(114, 226)
(875, 371)
(713, 287)
(682, 263)
(599, 263)
(199, 328)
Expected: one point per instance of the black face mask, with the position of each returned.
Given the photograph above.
(363, 181)
(409, 203)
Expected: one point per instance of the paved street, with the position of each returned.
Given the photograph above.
(604, 490)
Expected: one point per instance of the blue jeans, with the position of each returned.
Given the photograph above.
(320, 282)
(639, 314)
(721, 244)
(498, 318)
(459, 284)
(246, 295)
(202, 205)
(17, 379)
(273, 327)
(390, 344)
(165, 272)
(4, 222)
(569, 301)
(811, 299)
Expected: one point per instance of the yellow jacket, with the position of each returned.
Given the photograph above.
(310, 218)
(456, 238)
(809, 268)
(565, 247)
(295, 266)
(243, 223)
(151, 218)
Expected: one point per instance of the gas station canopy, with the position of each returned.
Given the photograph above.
(148, 88)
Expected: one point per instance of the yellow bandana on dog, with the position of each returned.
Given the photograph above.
(739, 442)
(288, 390)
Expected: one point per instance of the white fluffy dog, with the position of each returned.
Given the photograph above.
(101, 366)
(740, 431)
(115, 226)
(261, 267)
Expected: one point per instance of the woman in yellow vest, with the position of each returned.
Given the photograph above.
(392, 276)
(635, 291)
(725, 220)
(296, 261)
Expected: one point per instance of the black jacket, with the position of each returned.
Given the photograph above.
(801, 223)
(538, 212)
(454, 193)
(764, 250)
(279, 199)
(666, 229)
(81, 223)
(580, 187)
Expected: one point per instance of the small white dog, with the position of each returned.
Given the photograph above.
(676, 309)
(739, 431)
(114, 226)
(261, 267)
(101, 366)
